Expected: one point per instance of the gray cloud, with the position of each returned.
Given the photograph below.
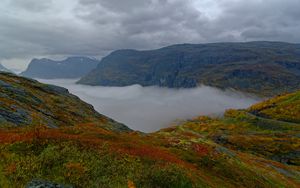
(95, 27)
(151, 108)
(31, 5)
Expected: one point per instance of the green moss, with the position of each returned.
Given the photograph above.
(67, 163)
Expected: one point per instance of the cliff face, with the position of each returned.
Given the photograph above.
(73, 67)
(264, 68)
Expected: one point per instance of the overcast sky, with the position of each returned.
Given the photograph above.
(59, 28)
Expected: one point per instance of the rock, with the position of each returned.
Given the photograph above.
(56, 89)
(45, 184)
(15, 115)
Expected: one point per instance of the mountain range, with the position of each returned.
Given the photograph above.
(72, 67)
(49, 135)
(262, 68)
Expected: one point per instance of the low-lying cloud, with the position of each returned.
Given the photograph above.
(151, 108)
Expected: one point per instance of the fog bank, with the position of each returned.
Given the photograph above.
(151, 108)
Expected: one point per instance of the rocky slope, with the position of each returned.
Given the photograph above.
(27, 102)
(264, 68)
(242, 149)
(72, 67)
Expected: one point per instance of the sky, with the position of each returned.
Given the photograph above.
(149, 109)
(61, 28)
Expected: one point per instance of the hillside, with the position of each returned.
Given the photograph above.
(72, 67)
(27, 102)
(284, 108)
(263, 68)
(86, 149)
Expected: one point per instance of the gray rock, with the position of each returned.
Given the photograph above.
(18, 117)
(45, 184)
(56, 89)
(19, 94)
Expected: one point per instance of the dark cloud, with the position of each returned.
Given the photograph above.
(95, 27)
(263, 20)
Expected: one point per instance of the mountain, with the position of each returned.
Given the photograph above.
(263, 68)
(63, 141)
(27, 102)
(3, 69)
(72, 67)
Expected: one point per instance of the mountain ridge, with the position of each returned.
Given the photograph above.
(262, 68)
(71, 67)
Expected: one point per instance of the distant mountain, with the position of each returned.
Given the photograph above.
(264, 68)
(4, 69)
(72, 67)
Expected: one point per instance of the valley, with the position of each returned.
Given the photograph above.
(254, 147)
(149, 94)
(149, 109)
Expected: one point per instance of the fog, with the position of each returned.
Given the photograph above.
(149, 109)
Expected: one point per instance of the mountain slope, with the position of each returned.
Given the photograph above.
(264, 68)
(72, 67)
(238, 150)
(284, 108)
(3, 69)
(27, 102)
(267, 131)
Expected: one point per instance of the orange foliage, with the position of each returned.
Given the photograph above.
(201, 149)
(154, 153)
(75, 168)
(130, 184)
(119, 144)
(10, 169)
